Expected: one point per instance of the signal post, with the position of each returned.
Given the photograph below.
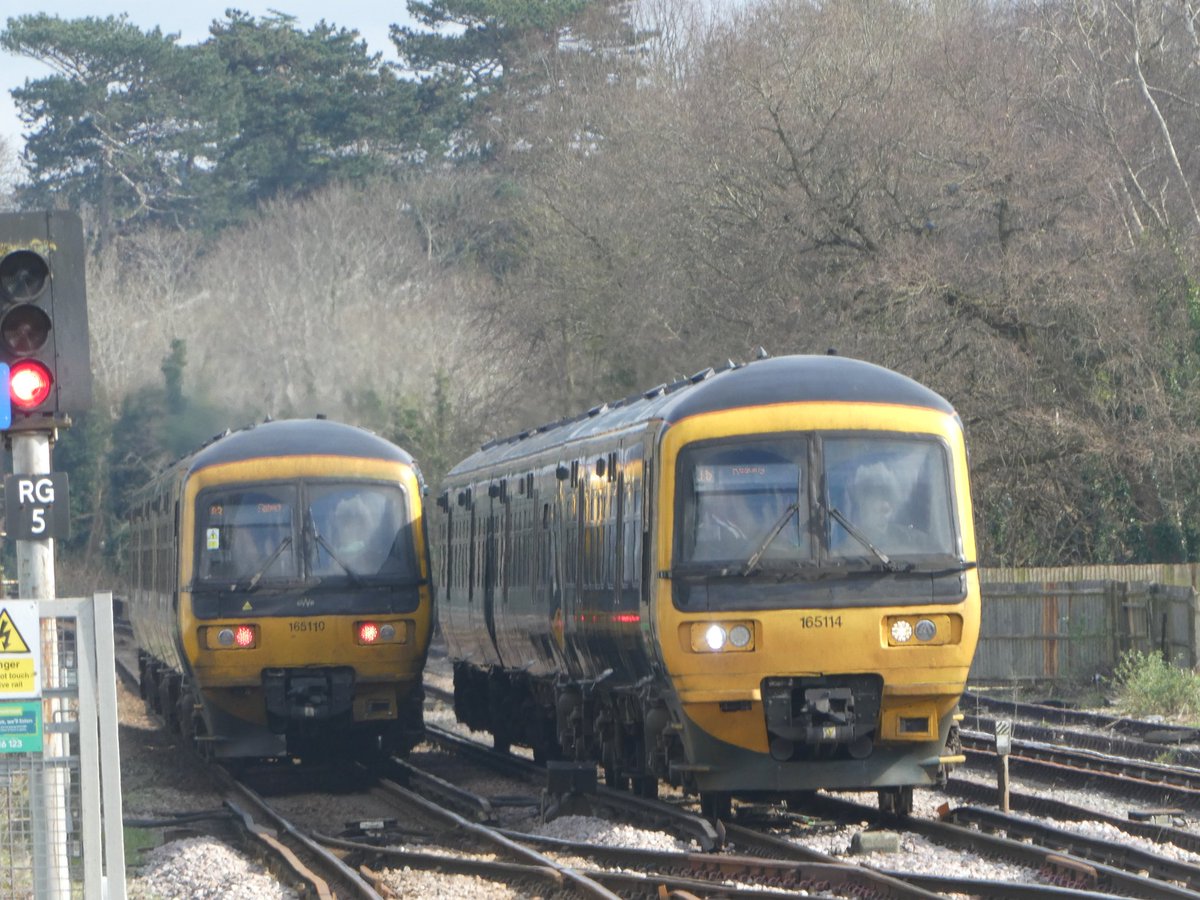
(45, 365)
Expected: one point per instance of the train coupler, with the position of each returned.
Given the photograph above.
(307, 695)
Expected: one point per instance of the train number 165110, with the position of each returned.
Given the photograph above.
(820, 621)
(306, 625)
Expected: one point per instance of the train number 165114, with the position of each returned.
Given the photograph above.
(820, 621)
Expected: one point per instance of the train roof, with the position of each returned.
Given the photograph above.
(295, 437)
(762, 382)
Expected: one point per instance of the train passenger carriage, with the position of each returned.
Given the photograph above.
(755, 582)
(280, 593)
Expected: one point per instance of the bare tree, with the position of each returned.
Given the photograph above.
(140, 296)
(329, 299)
(9, 174)
(901, 182)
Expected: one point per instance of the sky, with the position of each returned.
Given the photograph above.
(190, 19)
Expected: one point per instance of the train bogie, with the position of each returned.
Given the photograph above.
(756, 582)
(280, 592)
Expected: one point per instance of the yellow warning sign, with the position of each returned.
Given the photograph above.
(10, 638)
(17, 676)
(20, 656)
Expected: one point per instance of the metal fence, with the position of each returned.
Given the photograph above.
(62, 833)
(1062, 630)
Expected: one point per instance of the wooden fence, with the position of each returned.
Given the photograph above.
(1071, 631)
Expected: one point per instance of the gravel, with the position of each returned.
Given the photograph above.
(201, 867)
(161, 780)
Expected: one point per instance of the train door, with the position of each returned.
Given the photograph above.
(511, 630)
(630, 528)
(491, 571)
(549, 586)
(569, 524)
(444, 568)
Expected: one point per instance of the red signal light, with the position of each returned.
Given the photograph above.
(368, 632)
(29, 384)
(244, 636)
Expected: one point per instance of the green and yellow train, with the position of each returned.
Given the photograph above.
(755, 582)
(280, 593)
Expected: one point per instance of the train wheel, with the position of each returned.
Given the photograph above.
(716, 805)
(898, 800)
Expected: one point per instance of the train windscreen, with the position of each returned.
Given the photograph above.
(763, 502)
(333, 532)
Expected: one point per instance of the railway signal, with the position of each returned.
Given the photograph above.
(43, 318)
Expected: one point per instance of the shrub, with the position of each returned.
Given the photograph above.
(1149, 685)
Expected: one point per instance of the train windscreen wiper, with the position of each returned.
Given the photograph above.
(756, 556)
(283, 545)
(355, 578)
(852, 530)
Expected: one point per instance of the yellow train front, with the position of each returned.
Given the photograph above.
(755, 582)
(279, 592)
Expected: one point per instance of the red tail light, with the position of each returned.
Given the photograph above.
(368, 632)
(243, 636)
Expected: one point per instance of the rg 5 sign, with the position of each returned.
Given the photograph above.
(36, 506)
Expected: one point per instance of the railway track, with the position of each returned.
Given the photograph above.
(1154, 783)
(1067, 864)
(436, 822)
(1158, 733)
(1065, 859)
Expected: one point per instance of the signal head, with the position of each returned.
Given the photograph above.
(43, 318)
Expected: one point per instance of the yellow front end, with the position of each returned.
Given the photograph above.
(231, 656)
(232, 660)
(720, 663)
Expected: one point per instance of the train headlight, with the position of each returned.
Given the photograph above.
(930, 630)
(718, 637)
(715, 637)
(740, 635)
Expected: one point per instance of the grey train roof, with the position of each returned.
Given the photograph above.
(783, 379)
(296, 437)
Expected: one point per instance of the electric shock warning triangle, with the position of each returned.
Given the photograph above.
(10, 638)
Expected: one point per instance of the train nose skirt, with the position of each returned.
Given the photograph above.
(296, 696)
(819, 717)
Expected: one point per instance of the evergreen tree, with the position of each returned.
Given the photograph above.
(310, 107)
(126, 126)
(471, 53)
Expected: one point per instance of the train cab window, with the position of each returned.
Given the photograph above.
(890, 492)
(735, 497)
(359, 531)
(247, 534)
